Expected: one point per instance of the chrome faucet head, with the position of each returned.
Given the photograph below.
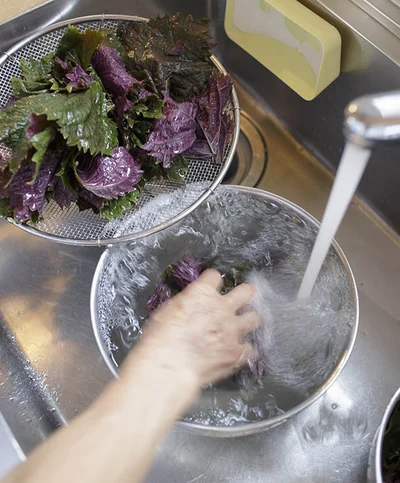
(373, 119)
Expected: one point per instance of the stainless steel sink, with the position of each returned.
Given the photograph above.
(51, 370)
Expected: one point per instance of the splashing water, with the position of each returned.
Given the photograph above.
(302, 343)
(351, 169)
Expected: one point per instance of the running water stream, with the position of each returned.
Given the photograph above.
(350, 171)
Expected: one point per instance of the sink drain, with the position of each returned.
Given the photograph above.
(250, 159)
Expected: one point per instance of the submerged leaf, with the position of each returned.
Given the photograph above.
(161, 295)
(175, 278)
(186, 271)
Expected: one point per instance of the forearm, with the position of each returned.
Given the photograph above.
(117, 437)
(193, 340)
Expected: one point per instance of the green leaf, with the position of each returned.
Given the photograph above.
(36, 76)
(5, 208)
(182, 35)
(67, 170)
(153, 107)
(40, 142)
(55, 86)
(116, 208)
(155, 170)
(13, 124)
(136, 133)
(179, 168)
(174, 53)
(137, 122)
(80, 46)
(111, 39)
(81, 117)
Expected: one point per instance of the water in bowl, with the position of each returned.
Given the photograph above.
(303, 341)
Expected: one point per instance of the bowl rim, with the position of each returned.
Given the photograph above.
(380, 435)
(258, 426)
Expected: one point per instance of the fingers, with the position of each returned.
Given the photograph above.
(248, 322)
(212, 278)
(248, 353)
(240, 296)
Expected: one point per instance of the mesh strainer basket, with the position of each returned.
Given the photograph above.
(75, 227)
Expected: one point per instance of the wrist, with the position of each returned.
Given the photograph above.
(163, 370)
(170, 353)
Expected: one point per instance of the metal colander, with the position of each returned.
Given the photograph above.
(75, 227)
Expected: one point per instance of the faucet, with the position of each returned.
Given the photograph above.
(373, 119)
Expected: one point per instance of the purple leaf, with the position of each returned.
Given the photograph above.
(140, 155)
(61, 195)
(122, 104)
(216, 125)
(144, 94)
(174, 134)
(87, 199)
(37, 125)
(78, 77)
(110, 176)
(61, 63)
(74, 76)
(200, 150)
(186, 271)
(29, 198)
(161, 295)
(115, 78)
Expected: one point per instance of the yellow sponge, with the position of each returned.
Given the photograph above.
(290, 40)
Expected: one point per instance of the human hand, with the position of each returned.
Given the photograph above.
(199, 330)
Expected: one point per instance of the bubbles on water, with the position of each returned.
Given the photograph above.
(238, 411)
(300, 343)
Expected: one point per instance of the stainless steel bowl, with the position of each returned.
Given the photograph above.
(259, 211)
(375, 459)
